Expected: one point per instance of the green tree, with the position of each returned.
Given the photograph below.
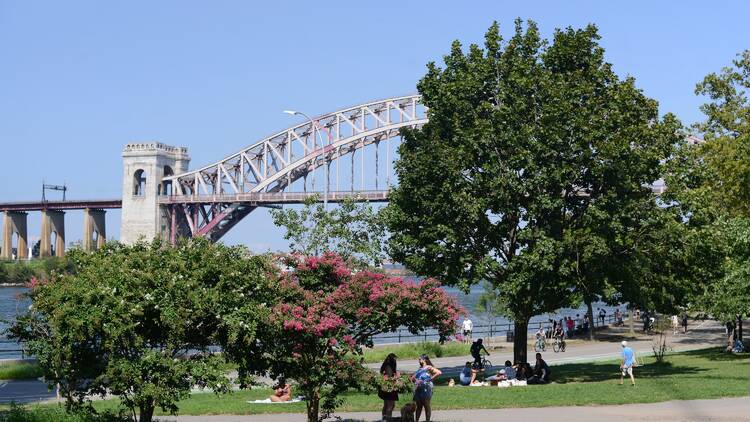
(531, 150)
(709, 187)
(351, 229)
(326, 313)
(137, 321)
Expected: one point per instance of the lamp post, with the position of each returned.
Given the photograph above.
(313, 126)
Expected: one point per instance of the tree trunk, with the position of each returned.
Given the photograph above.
(146, 413)
(591, 319)
(521, 331)
(631, 321)
(739, 328)
(313, 406)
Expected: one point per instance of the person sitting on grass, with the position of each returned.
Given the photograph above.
(468, 374)
(505, 374)
(282, 392)
(541, 371)
(509, 371)
(521, 373)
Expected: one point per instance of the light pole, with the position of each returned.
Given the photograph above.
(322, 143)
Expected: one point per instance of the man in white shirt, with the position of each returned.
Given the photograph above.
(467, 326)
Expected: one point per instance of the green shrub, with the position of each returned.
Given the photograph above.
(18, 413)
(19, 370)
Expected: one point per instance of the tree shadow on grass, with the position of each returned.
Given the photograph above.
(718, 354)
(594, 372)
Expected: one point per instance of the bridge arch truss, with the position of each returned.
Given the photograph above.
(212, 199)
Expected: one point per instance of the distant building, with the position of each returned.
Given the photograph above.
(395, 269)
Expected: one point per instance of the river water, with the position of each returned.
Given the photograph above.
(13, 303)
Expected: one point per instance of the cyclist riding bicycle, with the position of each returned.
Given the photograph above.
(558, 334)
(475, 350)
(541, 340)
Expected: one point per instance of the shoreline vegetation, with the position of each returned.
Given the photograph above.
(18, 370)
(414, 350)
(17, 273)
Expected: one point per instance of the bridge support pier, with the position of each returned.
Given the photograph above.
(93, 222)
(15, 222)
(52, 222)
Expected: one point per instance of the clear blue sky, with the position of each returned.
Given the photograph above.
(78, 80)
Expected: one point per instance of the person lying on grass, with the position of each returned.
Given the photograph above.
(282, 392)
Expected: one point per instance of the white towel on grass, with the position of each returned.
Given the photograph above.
(268, 401)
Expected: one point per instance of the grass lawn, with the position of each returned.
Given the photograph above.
(700, 374)
(19, 370)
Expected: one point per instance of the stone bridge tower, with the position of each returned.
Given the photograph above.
(144, 167)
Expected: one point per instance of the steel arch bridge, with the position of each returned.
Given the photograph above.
(211, 200)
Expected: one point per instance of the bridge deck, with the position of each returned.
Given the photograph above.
(61, 205)
(259, 198)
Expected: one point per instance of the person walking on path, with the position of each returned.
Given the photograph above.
(628, 361)
(684, 322)
(423, 387)
(388, 369)
(467, 326)
(675, 324)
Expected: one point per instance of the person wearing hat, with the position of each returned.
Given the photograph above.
(628, 361)
(388, 369)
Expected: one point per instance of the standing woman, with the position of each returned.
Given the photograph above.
(388, 369)
(423, 386)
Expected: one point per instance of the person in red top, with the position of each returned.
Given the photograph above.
(571, 325)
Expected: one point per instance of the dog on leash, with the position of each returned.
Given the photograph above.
(407, 412)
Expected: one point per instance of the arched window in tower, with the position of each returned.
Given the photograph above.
(166, 186)
(139, 183)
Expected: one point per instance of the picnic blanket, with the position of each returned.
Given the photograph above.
(268, 401)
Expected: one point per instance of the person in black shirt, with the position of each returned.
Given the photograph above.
(388, 368)
(475, 350)
(541, 371)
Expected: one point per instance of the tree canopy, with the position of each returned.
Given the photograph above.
(137, 321)
(326, 313)
(533, 156)
(709, 188)
(351, 229)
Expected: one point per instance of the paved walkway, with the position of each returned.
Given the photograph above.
(720, 410)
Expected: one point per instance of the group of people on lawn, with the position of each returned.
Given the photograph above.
(520, 373)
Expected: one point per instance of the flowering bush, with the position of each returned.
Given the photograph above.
(397, 383)
(326, 313)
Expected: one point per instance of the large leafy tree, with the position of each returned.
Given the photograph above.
(533, 151)
(351, 229)
(709, 186)
(137, 321)
(326, 313)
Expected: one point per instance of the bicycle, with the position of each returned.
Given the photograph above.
(540, 345)
(486, 364)
(559, 345)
